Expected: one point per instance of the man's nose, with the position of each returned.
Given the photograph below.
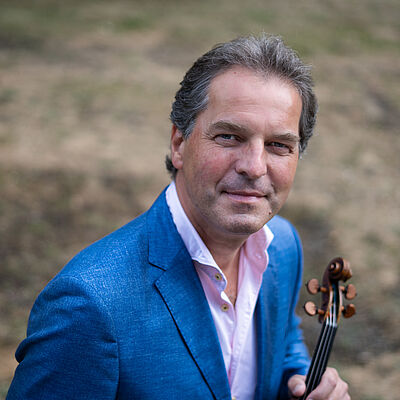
(252, 161)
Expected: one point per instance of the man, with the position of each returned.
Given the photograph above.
(195, 298)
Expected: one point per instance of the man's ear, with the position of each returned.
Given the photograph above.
(177, 147)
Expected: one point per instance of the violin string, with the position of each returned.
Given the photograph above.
(327, 346)
(322, 351)
(329, 343)
(311, 371)
(317, 375)
(311, 377)
(334, 326)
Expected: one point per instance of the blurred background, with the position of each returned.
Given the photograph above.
(85, 93)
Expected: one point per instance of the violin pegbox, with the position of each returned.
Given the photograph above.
(337, 270)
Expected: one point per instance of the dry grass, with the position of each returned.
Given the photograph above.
(85, 92)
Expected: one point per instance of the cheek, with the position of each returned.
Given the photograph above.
(212, 166)
(283, 174)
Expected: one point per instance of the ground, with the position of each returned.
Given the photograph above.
(85, 94)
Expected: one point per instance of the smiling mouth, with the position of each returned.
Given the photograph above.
(246, 197)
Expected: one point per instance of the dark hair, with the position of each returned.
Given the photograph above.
(265, 54)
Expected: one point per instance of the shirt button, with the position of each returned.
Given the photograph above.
(218, 276)
(225, 307)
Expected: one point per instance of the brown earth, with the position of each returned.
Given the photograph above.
(85, 93)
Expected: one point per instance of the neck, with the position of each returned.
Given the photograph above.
(228, 261)
(225, 249)
(222, 244)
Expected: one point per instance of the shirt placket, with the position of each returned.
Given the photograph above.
(226, 310)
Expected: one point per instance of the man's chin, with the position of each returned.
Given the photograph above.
(245, 226)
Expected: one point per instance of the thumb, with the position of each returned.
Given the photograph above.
(296, 385)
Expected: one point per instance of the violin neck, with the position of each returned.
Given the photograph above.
(320, 357)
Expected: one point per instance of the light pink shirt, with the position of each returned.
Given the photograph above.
(235, 325)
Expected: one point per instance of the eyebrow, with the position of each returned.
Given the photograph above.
(287, 137)
(228, 126)
(237, 128)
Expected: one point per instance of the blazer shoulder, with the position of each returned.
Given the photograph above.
(124, 254)
(286, 248)
(283, 229)
(116, 248)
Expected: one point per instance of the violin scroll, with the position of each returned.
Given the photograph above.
(339, 269)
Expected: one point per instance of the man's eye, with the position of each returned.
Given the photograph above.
(226, 136)
(280, 148)
(226, 139)
(277, 144)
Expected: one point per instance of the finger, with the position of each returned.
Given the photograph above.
(326, 387)
(341, 391)
(296, 385)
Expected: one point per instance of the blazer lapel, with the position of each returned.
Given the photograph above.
(183, 294)
(267, 319)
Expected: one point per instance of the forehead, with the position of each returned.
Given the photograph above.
(245, 94)
(241, 82)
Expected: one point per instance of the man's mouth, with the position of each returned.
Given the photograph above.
(245, 196)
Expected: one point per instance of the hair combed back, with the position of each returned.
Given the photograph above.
(264, 54)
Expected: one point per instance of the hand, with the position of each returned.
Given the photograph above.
(331, 387)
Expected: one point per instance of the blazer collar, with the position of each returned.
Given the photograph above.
(183, 294)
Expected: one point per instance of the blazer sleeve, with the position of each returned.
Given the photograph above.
(296, 357)
(70, 351)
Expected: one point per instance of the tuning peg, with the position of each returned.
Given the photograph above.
(313, 287)
(349, 291)
(311, 309)
(348, 311)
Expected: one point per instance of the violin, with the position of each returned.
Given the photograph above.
(329, 315)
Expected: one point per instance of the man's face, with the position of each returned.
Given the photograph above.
(236, 168)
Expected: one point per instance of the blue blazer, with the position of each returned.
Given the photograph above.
(127, 318)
